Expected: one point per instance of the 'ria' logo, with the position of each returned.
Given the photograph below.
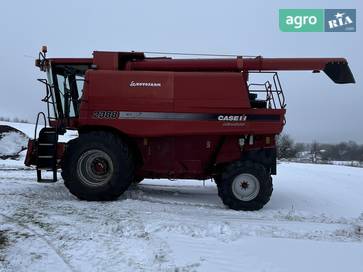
(340, 20)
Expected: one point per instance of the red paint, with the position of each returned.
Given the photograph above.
(183, 148)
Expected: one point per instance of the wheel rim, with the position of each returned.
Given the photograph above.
(245, 187)
(95, 168)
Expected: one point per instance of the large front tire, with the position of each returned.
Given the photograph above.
(97, 166)
(245, 185)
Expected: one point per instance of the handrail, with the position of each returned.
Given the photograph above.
(36, 123)
(48, 95)
(272, 90)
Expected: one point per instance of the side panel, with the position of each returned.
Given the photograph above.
(176, 157)
(197, 156)
(158, 104)
(177, 120)
(129, 91)
(210, 92)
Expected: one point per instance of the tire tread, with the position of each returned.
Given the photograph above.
(236, 168)
(114, 189)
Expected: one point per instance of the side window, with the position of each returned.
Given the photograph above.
(65, 95)
(68, 88)
(52, 103)
(62, 82)
(80, 83)
(76, 83)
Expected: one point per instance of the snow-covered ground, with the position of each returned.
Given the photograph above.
(28, 129)
(314, 222)
(12, 143)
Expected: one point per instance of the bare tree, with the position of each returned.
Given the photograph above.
(314, 151)
(285, 147)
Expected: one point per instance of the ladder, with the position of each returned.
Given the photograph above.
(46, 151)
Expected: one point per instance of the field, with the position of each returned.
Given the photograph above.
(313, 222)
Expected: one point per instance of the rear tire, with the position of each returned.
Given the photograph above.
(97, 166)
(137, 180)
(245, 185)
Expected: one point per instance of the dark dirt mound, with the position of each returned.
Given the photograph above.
(12, 142)
(6, 129)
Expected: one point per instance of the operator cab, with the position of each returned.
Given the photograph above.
(67, 81)
(64, 88)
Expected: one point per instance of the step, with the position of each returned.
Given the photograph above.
(41, 180)
(46, 181)
(45, 157)
(46, 144)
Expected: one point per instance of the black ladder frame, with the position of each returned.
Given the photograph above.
(45, 165)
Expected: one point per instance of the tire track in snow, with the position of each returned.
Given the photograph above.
(43, 238)
(277, 218)
(8, 169)
(275, 224)
(138, 195)
(282, 225)
(235, 229)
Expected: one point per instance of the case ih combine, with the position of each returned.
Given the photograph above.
(140, 117)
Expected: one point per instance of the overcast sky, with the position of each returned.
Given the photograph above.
(317, 109)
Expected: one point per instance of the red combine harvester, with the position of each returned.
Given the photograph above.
(140, 117)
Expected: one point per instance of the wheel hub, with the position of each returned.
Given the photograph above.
(95, 168)
(99, 167)
(245, 187)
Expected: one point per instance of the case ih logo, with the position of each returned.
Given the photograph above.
(232, 118)
(145, 84)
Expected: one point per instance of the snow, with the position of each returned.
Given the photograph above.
(313, 222)
(12, 143)
(348, 163)
(28, 129)
(14, 164)
(338, 189)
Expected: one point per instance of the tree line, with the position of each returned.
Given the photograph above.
(344, 151)
(15, 120)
